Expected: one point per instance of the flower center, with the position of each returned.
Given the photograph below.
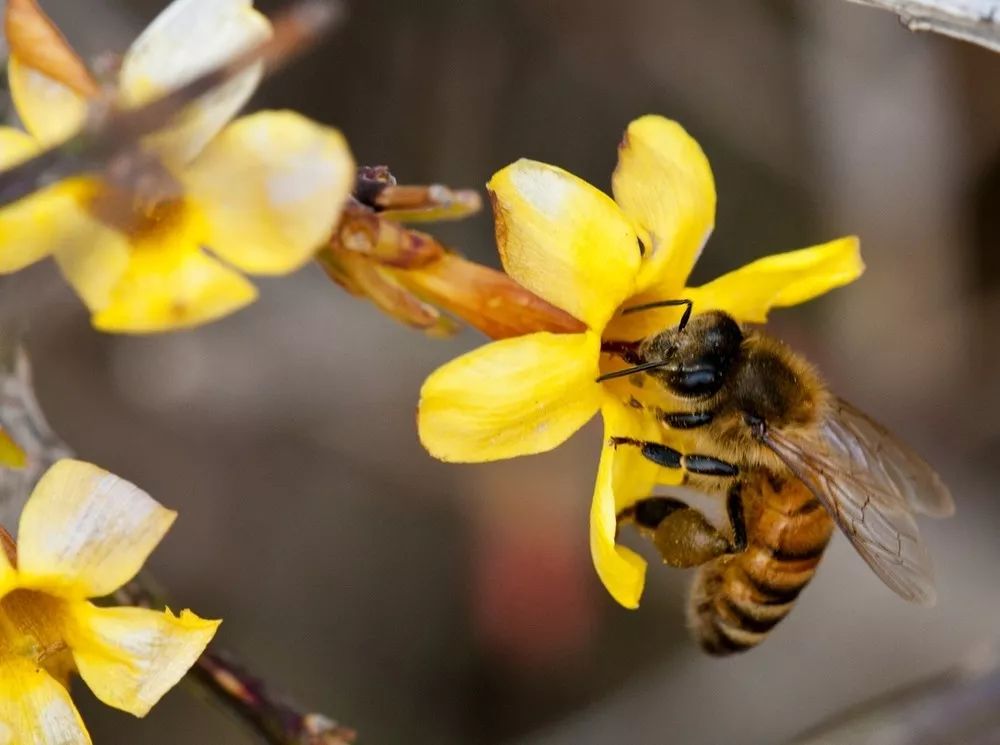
(32, 626)
(146, 222)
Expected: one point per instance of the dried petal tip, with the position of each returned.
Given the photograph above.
(370, 182)
(9, 547)
(36, 41)
(427, 203)
(409, 275)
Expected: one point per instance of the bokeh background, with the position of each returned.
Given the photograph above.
(425, 603)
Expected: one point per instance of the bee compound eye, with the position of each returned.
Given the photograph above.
(695, 381)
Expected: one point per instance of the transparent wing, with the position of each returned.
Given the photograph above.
(871, 446)
(871, 485)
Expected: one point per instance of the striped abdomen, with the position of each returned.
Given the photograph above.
(738, 598)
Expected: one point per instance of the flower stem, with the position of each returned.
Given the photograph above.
(226, 680)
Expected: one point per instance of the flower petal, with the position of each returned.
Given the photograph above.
(623, 477)
(564, 240)
(172, 289)
(271, 187)
(781, 280)
(513, 397)
(93, 261)
(86, 532)
(12, 455)
(190, 37)
(130, 657)
(664, 183)
(36, 708)
(49, 110)
(32, 226)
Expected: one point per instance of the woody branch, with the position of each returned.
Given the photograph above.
(976, 21)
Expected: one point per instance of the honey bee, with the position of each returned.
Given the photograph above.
(789, 458)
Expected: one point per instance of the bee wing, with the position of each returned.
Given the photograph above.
(866, 501)
(888, 459)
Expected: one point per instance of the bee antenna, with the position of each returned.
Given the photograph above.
(630, 370)
(685, 317)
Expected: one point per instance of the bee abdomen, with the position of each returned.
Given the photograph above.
(737, 599)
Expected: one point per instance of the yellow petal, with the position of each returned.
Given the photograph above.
(93, 261)
(623, 477)
(11, 454)
(271, 187)
(781, 280)
(85, 532)
(32, 226)
(49, 110)
(564, 240)
(190, 37)
(36, 708)
(664, 183)
(130, 657)
(172, 289)
(513, 397)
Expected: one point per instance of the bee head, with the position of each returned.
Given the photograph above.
(698, 358)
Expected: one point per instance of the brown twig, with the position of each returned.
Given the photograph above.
(245, 694)
(976, 21)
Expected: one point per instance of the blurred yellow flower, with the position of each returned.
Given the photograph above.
(84, 533)
(11, 454)
(262, 193)
(591, 256)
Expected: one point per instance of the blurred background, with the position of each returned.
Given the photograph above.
(426, 603)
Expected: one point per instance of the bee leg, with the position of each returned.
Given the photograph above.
(686, 419)
(661, 455)
(626, 350)
(667, 457)
(682, 535)
(706, 465)
(734, 509)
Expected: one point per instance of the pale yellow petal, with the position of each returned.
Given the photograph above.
(85, 532)
(31, 227)
(130, 657)
(35, 708)
(781, 280)
(564, 240)
(623, 477)
(271, 187)
(93, 261)
(165, 290)
(186, 39)
(664, 183)
(49, 110)
(513, 397)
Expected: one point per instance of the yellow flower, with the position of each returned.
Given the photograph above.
(262, 193)
(11, 454)
(84, 533)
(592, 256)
